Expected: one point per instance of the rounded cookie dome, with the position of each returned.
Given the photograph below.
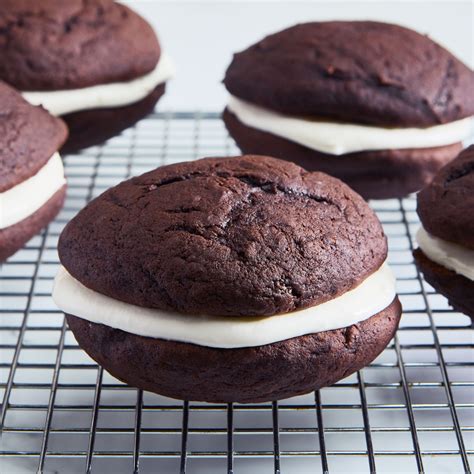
(29, 136)
(354, 71)
(53, 44)
(246, 235)
(446, 205)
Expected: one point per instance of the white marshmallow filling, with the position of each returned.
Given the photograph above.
(24, 199)
(447, 254)
(116, 94)
(342, 138)
(370, 297)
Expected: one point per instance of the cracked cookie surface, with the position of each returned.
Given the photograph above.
(356, 71)
(237, 236)
(29, 136)
(56, 44)
(446, 205)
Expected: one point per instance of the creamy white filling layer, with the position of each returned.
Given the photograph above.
(341, 138)
(373, 295)
(115, 94)
(452, 256)
(27, 197)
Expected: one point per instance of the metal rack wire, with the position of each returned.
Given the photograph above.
(411, 410)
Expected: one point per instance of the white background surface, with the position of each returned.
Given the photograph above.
(202, 35)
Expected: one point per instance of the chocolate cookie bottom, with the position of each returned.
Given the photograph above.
(91, 127)
(248, 375)
(458, 289)
(14, 237)
(380, 174)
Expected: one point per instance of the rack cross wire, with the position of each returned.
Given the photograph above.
(411, 410)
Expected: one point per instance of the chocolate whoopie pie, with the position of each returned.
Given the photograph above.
(32, 183)
(376, 105)
(446, 238)
(228, 279)
(96, 63)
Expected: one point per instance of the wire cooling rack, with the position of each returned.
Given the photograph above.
(411, 410)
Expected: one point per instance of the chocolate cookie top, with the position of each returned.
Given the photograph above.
(446, 205)
(53, 44)
(29, 136)
(354, 71)
(238, 236)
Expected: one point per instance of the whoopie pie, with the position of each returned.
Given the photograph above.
(377, 105)
(96, 63)
(32, 183)
(228, 279)
(446, 236)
